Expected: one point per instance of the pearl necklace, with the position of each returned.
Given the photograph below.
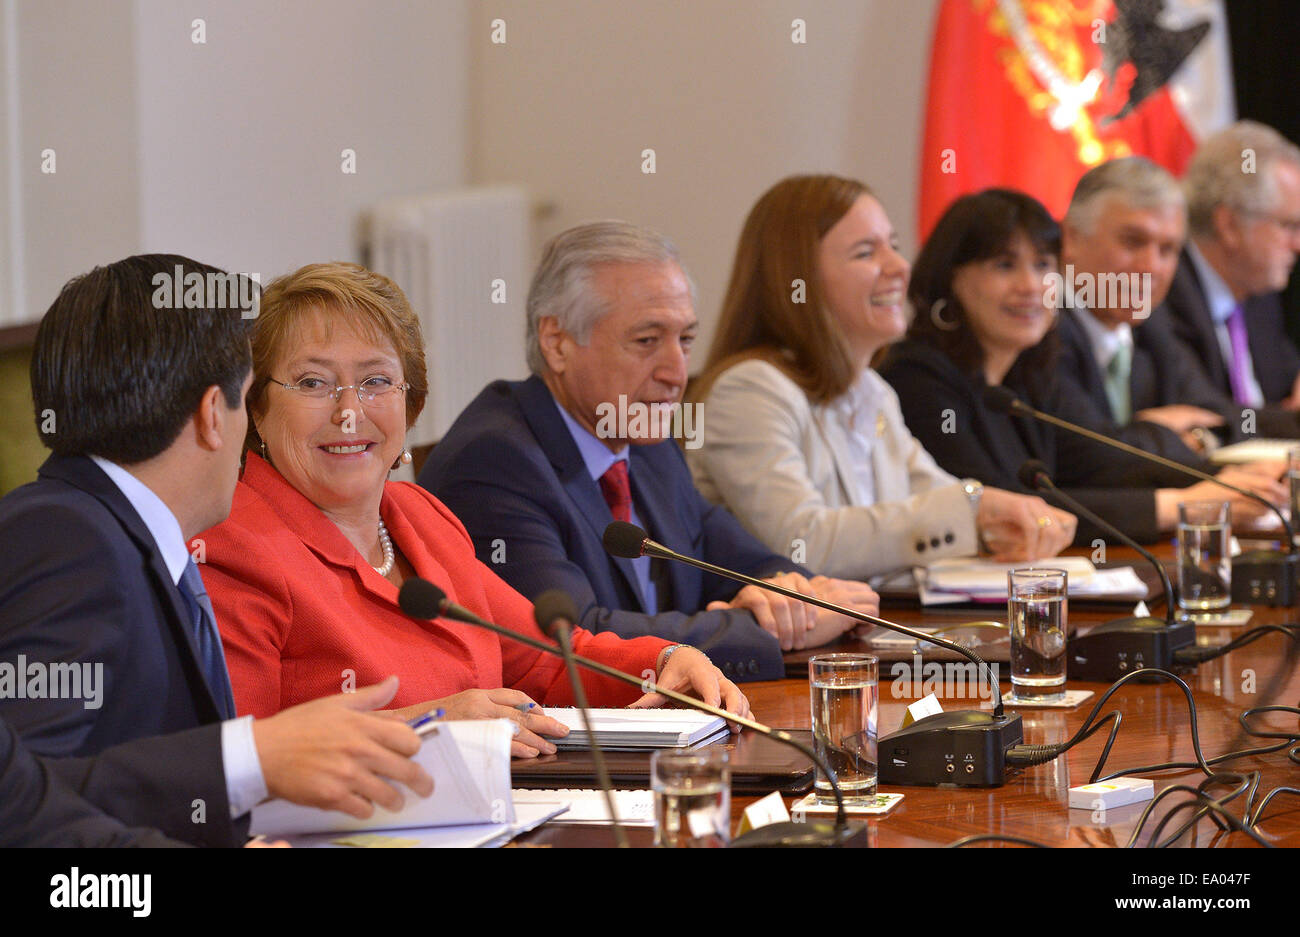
(386, 544)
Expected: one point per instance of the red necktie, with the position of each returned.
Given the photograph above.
(615, 487)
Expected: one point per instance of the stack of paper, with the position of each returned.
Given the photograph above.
(1253, 450)
(630, 730)
(634, 808)
(469, 762)
(977, 580)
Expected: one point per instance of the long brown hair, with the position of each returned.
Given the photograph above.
(774, 306)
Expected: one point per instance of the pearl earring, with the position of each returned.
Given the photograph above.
(403, 459)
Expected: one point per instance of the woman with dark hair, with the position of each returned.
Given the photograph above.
(983, 318)
(802, 440)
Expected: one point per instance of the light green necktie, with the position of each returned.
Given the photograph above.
(1117, 387)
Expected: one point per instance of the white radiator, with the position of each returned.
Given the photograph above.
(450, 252)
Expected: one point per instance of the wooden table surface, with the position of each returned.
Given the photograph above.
(1034, 801)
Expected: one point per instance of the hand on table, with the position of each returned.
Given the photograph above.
(1018, 528)
(500, 704)
(846, 592)
(688, 671)
(1180, 417)
(788, 619)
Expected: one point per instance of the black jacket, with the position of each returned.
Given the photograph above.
(89, 586)
(945, 410)
(1163, 373)
(1273, 355)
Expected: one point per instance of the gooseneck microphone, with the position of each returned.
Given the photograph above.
(1116, 648)
(420, 598)
(1260, 576)
(922, 754)
(555, 614)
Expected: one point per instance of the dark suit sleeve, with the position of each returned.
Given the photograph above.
(1117, 486)
(1081, 458)
(1183, 379)
(175, 783)
(1273, 354)
(493, 489)
(45, 621)
(38, 809)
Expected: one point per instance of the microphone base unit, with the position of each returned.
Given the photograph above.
(1265, 577)
(1117, 648)
(966, 748)
(803, 835)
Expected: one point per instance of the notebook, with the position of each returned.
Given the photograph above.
(469, 762)
(631, 730)
(634, 808)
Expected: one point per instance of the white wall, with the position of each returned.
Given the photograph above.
(718, 90)
(240, 138)
(229, 150)
(71, 76)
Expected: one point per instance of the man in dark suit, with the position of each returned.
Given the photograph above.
(1120, 240)
(537, 469)
(1243, 200)
(37, 808)
(106, 634)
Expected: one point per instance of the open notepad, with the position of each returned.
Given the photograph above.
(639, 729)
(469, 762)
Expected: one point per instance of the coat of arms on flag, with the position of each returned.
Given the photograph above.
(1032, 93)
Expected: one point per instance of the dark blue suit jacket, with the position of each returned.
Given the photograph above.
(85, 583)
(1162, 373)
(38, 808)
(510, 470)
(1272, 353)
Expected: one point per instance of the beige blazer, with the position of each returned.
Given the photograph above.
(784, 468)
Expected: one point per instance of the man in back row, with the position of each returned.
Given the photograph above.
(143, 405)
(1243, 212)
(1121, 236)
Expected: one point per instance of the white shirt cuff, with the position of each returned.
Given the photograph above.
(245, 786)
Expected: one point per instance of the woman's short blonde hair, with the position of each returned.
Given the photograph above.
(369, 302)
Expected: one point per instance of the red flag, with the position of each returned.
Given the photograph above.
(1030, 94)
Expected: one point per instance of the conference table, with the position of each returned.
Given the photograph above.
(1033, 804)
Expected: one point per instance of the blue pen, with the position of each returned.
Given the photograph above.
(423, 725)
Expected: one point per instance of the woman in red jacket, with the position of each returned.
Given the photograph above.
(304, 574)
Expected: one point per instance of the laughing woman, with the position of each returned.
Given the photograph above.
(802, 440)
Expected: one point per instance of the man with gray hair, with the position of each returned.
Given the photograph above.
(537, 469)
(1121, 238)
(1243, 209)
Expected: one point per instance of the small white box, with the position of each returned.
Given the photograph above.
(1117, 792)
